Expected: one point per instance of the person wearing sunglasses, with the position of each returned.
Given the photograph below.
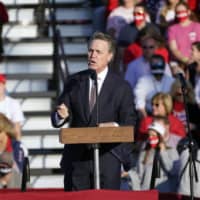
(162, 106)
(150, 45)
(148, 85)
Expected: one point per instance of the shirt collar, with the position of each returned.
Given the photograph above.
(102, 75)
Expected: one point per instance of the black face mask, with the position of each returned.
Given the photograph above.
(158, 76)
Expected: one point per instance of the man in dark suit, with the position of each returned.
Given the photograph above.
(116, 108)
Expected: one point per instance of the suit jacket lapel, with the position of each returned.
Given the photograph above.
(84, 98)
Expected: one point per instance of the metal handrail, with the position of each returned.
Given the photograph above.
(59, 55)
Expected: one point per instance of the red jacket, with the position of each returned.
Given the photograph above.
(112, 4)
(176, 126)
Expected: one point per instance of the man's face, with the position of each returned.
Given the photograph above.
(99, 55)
(148, 46)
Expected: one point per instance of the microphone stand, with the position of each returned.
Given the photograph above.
(96, 146)
(156, 168)
(191, 158)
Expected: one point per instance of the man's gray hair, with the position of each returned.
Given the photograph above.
(105, 37)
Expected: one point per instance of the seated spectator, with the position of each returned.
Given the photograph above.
(162, 105)
(119, 17)
(148, 85)
(179, 109)
(99, 15)
(11, 108)
(153, 7)
(134, 50)
(194, 70)
(166, 15)
(156, 151)
(181, 35)
(130, 32)
(141, 66)
(194, 67)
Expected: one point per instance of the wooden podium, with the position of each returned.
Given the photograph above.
(96, 136)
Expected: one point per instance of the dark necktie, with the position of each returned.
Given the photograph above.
(92, 99)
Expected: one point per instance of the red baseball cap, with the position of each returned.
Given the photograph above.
(2, 78)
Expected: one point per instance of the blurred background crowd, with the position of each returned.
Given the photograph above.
(158, 53)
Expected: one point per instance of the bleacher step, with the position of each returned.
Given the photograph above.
(17, 31)
(41, 49)
(41, 141)
(49, 94)
(29, 76)
(21, 15)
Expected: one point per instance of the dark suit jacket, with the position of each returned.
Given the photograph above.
(115, 105)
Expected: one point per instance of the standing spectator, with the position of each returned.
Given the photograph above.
(194, 67)
(11, 108)
(182, 34)
(148, 85)
(3, 20)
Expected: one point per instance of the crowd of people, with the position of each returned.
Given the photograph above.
(154, 47)
(158, 53)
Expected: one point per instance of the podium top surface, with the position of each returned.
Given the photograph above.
(91, 135)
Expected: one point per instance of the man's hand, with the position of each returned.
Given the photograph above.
(63, 111)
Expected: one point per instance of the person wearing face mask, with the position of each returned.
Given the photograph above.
(148, 85)
(167, 159)
(182, 34)
(119, 17)
(128, 34)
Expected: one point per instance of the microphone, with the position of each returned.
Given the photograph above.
(181, 79)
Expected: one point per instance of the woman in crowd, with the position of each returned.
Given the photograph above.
(162, 105)
(166, 14)
(182, 34)
(156, 152)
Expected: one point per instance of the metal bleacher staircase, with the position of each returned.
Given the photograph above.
(28, 64)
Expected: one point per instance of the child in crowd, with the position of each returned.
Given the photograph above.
(167, 158)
